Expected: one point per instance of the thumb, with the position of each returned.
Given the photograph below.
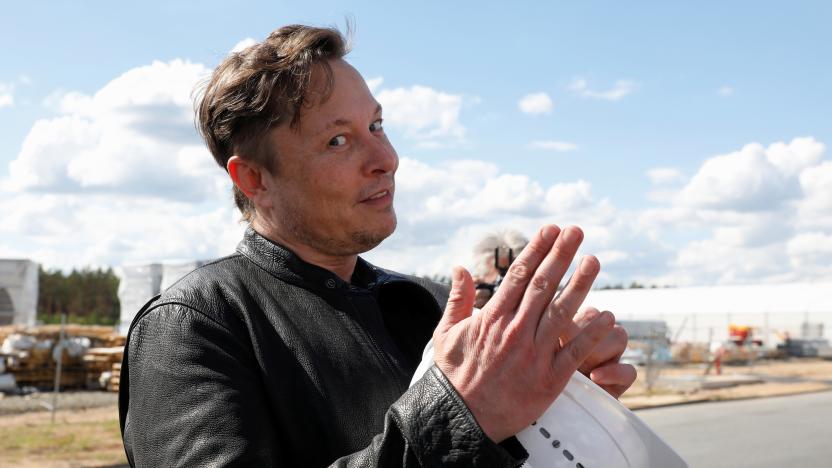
(460, 300)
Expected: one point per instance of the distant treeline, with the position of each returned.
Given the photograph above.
(86, 296)
(633, 285)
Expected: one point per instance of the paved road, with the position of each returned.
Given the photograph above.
(793, 431)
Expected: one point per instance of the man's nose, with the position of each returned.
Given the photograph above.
(381, 157)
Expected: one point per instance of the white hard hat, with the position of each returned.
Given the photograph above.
(586, 428)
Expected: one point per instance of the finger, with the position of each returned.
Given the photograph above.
(614, 378)
(460, 300)
(545, 281)
(574, 353)
(609, 351)
(567, 302)
(513, 287)
(582, 319)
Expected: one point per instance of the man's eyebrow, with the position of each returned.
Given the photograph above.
(346, 122)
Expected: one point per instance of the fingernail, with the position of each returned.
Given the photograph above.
(571, 234)
(607, 318)
(547, 232)
(588, 266)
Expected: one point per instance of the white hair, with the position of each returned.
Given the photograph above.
(484, 249)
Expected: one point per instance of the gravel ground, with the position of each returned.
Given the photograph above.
(16, 404)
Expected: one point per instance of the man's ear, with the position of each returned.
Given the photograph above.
(247, 176)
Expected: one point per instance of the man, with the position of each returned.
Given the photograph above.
(294, 351)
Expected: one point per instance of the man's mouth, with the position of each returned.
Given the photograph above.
(379, 195)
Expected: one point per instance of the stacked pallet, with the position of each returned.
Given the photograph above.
(36, 366)
(116, 377)
(100, 363)
(87, 355)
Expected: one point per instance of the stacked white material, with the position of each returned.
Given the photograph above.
(173, 272)
(18, 292)
(141, 282)
(138, 283)
(773, 309)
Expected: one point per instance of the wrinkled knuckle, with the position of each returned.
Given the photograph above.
(536, 249)
(555, 315)
(456, 296)
(540, 283)
(562, 254)
(519, 272)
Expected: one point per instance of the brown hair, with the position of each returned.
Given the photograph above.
(262, 86)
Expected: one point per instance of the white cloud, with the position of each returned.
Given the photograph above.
(743, 180)
(120, 176)
(793, 157)
(759, 214)
(552, 145)
(128, 137)
(725, 91)
(665, 176)
(620, 89)
(423, 114)
(811, 252)
(375, 83)
(535, 104)
(242, 45)
(815, 209)
(72, 230)
(6, 95)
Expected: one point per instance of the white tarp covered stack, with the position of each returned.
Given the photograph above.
(693, 313)
(18, 292)
(173, 272)
(138, 283)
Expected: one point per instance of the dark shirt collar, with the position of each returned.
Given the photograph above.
(284, 264)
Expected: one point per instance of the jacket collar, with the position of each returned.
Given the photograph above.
(284, 264)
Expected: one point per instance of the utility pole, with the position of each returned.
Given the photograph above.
(60, 349)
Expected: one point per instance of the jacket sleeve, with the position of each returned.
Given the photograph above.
(191, 396)
(431, 426)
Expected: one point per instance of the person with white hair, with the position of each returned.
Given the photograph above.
(492, 256)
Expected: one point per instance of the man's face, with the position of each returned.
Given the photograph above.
(332, 189)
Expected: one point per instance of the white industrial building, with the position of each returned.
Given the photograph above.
(695, 314)
(18, 292)
(139, 283)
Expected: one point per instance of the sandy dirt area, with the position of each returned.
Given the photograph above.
(776, 378)
(87, 433)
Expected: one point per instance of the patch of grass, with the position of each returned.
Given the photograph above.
(98, 441)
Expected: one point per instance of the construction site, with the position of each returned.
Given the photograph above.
(59, 383)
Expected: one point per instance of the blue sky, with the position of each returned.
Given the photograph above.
(629, 88)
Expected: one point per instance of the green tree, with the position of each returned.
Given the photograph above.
(87, 296)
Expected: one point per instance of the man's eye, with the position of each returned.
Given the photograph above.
(338, 140)
(376, 126)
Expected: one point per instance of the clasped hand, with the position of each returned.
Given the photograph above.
(511, 361)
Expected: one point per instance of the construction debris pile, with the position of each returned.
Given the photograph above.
(89, 356)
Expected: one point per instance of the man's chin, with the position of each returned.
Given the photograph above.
(369, 239)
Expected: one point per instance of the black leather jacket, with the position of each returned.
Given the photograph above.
(260, 359)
